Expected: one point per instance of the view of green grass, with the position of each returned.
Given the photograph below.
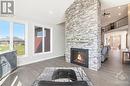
(4, 48)
(18, 37)
(20, 49)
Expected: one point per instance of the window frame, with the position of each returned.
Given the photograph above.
(8, 34)
(43, 29)
(11, 34)
(26, 37)
(37, 25)
(34, 40)
(50, 39)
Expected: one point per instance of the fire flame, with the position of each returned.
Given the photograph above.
(79, 57)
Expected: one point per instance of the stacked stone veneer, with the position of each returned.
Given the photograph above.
(82, 30)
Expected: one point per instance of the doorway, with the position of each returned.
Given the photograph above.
(116, 40)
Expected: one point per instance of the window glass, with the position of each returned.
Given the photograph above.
(47, 40)
(19, 38)
(38, 39)
(4, 36)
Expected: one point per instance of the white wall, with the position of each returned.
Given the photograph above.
(123, 40)
(128, 38)
(57, 42)
(57, 46)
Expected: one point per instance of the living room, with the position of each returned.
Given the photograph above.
(56, 43)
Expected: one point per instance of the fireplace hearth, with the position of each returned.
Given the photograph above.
(79, 56)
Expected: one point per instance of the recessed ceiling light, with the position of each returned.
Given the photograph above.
(50, 12)
(119, 14)
(109, 16)
(129, 12)
(119, 7)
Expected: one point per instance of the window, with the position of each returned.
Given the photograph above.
(38, 39)
(47, 40)
(12, 37)
(42, 39)
(4, 36)
(19, 38)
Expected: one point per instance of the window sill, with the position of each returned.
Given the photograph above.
(22, 56)
(35, 54)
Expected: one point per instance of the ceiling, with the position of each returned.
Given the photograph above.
(116, 13)
(52, 11)
(113, 3)
(42, 11)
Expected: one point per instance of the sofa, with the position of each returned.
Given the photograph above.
(104, 53)
(75, 83)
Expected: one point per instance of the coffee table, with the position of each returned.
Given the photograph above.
(48, 72)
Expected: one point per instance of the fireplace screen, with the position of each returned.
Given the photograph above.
(79, 56)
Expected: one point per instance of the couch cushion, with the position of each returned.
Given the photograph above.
(64, 73)
(50, 83)
(104, 50)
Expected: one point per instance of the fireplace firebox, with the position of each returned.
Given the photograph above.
(79, 56)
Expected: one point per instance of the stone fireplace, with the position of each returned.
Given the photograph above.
(79, 56)
(83, 31)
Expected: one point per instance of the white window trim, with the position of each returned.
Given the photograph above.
(43, 52)
(51, 30)
(11, 22)
(37, 25)
(26, 38)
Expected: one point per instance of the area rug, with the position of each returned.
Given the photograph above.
(47, 73)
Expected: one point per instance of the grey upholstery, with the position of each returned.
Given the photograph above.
(8, 62)
(104, 53)
(64, 73)
(75, 83)
(48, 78)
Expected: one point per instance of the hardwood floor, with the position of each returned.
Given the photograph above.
(112, 72)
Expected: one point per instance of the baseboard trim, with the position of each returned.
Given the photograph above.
(39, 60)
